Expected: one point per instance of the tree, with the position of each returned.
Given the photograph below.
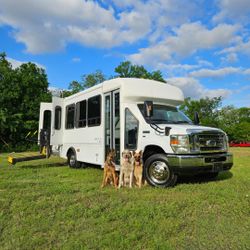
(207, 109)
(22, 89)
(88, 80)
(235, 122)
(127, 69)
(124, 69)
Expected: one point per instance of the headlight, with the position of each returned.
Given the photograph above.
(180, 143)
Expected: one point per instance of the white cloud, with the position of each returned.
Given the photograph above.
(45, 27)
(240, 47)
(247, 71)
(214, 73)
(187, 40)
(238, 10)
(76, 59)
(15, 63)
(230, 58)
(182, 69)
(191, 87)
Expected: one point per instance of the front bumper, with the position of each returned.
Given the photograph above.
(196, 164)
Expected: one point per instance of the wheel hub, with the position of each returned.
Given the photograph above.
(159, 172)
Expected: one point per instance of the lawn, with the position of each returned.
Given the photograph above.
(46, 205)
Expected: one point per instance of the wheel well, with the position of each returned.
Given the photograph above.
(150, 150)
(70, 150)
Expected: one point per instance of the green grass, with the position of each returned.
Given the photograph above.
(46, 205)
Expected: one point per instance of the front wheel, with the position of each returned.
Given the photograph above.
(72, 161)
(158, 172)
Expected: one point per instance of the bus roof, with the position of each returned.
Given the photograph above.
(139, 90)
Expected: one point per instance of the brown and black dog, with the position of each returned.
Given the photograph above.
(138, 168)
(109, 174)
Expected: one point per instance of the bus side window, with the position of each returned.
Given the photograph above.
(94, 111)
(81, 114)
(70, 116)
(131, 130)
(58, 117)
(47, 119)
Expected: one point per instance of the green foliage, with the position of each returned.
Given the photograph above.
(208, 109)
(124, 69)
(236, 123)
(46, 205)
(88, 80)
(22, 89)
(127, 69)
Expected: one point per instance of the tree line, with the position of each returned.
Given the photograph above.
(23, 88)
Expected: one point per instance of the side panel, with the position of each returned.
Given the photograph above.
(88, 142)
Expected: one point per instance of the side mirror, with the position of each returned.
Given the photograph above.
(148, 108)
(196, 118)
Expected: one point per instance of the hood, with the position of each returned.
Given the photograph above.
(187, 128)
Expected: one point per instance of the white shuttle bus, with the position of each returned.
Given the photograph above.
(128, 113)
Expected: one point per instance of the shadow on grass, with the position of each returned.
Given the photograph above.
(44, 165)
(203, 178)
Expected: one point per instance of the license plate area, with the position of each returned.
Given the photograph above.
(217, 166)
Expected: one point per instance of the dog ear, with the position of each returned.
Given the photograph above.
(140, 152)
(133, 152)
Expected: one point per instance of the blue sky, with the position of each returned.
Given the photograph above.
(201, 46)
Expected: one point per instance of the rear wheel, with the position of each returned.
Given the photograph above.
(158, 172)
(72, 160)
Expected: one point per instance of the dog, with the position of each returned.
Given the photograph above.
(127, 169)
(109, 174)
(138, 168)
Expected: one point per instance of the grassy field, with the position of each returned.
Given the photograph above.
(46, 205)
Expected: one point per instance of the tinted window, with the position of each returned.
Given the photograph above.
(70, 115)
(81, 114)
(94, 111)
(58, 117)
(46, 119)
(131, 130)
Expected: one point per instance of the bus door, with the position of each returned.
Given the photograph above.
(57, 121)
(45, 118)
(112, 123)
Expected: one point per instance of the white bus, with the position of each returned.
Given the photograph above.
(129, 113)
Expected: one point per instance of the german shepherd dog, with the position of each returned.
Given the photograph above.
(109, 174)
(138, 168)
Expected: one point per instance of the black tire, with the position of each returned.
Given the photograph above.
(72, 160)
(158, 173)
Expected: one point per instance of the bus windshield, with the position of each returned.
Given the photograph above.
(166, 114)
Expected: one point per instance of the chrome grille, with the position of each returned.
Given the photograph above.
(209, 142)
